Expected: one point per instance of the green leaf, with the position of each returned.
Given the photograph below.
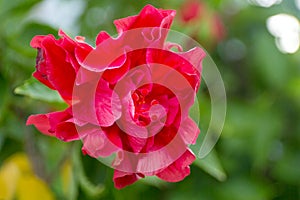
(16, 7)
(34, 89)
(212, 165)
(1, 141)
(70, 184)
(154, 181)
(4, 100)
(94, 191)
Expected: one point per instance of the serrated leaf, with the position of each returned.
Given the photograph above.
(212, 165)
(34, 89)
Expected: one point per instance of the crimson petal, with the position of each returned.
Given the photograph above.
(122, 179)
(148, 17)
(57, 124)
(178, 170)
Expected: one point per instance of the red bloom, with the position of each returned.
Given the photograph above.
(191, 10)
(128, 97)
(205, 24)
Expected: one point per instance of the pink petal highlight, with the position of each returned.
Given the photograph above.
(107, 105)
(178, 170)
(189, 131)
(96, 144)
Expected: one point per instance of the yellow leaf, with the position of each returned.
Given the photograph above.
(32, 188)
(67, 178)
(21, 161)
(18, 179)
(10, 173)
(4, 192)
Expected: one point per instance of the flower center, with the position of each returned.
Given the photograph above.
(142, 107)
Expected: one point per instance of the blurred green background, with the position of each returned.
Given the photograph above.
(256, 50)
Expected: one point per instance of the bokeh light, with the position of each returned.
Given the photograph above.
(285, 28)
(60, 14)
(297, 2)
(265, 3)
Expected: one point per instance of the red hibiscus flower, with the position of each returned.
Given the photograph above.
(129, 97)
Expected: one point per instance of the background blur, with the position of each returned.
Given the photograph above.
(255, 46)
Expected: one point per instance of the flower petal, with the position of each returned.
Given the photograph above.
(122, 179)
(57, 124)
(189, 131)
(102, 36)
(66, 131)
(41, 122)
(96, 144)
(107, 105)
(56, 62)
(148, 17)
(41, 72)
(178, 170)
(58, 68)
